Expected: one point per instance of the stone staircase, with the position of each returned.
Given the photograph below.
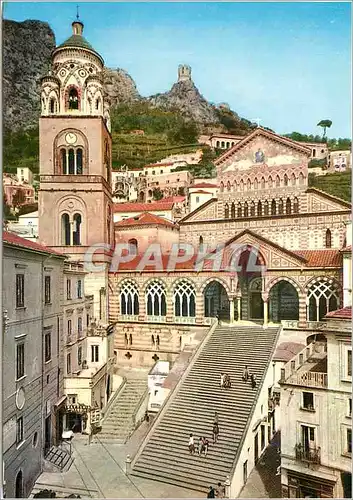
(118, 423)
(164, 456)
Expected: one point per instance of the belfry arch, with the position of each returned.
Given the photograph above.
(283, 301)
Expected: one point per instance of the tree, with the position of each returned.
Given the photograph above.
(157, 194)
(324, 124)
(181, 191)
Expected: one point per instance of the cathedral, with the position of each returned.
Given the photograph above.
(264, 213)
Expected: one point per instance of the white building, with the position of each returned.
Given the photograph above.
(316, 414)
(201, 192)
(26, 226)
(25, 175)
(88, 355)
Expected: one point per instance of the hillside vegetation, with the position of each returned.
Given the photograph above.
(338, 184)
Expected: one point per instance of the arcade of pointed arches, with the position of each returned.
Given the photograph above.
(267, 181)
(234, 210)
(180, 298)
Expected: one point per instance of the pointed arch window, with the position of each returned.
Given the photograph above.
(52, 105)
(156, 299)
(184, 299)
(235, 186)
(293, 179)
(323, 297)
(278, 181)
(256, 184)
(296, 205)
(73, 99)
(328, 239)
(239, 209)
(221, 187)
(252, 209)
(129, 299)
(226, 211)
(259, 209)
(246, 209)
(228, 186)
(270, 183)
(266, 208)
(288, 206)
(248, 185)
(285, 180)
(232, 211)
(280, 206)
(301, 178)
(241, 185)
(273, 207)
(263, 183)
(201, 243)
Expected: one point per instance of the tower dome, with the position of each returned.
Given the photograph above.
(77, 41)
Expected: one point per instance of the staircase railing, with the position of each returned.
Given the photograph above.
(171, 396)
(252, 411)
(135, 418)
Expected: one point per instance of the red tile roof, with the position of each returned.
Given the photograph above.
(203, 185)
(174, 199)
(142, 207)
(15, 240)
(200, 191)
(144, 219)
(321, 258)
(344, 313)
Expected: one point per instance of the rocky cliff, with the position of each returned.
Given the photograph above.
(26, 55)
(119, 86)
(185, 97)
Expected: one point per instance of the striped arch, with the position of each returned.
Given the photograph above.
(274, 282)
(203, 285)
(326, 279)
(177, 281)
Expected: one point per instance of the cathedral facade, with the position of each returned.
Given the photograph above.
(264, 214)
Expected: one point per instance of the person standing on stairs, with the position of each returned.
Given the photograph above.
(220, 491)
(215, 420)
(200, 446)
(253, 380)
(215, 433)
(211, 493)
(130, 339)
(246, 374)
(191, 445)
(126, 340)
(153, 341)
(158, 342)
(222, 380)
(205, 446)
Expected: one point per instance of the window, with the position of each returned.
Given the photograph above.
(94, 353)
(129, 299)
(350, 407)
(226, 211)
(349, 362)
(87, 319)
(79, 355)
(20, 296)
(19, 430)
(156, 299)
(76, 235)
(296, 206)
(47, 298)
(349, 441)
(197, 199)
(133, 246)
(323, 295)
(184, 299)
(328, 239)
(68, 364)
(20, 360)
(72, 399)
(79, 289)
(73, 99)
(68, 289)
(79, 327)
(71, 161)
(308, 400)
(246, 209)
(47, 340)
(69, 327)
(273, 207)
(232, 211)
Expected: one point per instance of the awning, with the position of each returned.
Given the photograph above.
(60, 401)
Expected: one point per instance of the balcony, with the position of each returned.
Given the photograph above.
(310, 379)
(185, 319)
(156, 319)
(309, 455)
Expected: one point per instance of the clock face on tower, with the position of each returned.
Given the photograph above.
(71, 138)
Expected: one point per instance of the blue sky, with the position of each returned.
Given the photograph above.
(286, 63)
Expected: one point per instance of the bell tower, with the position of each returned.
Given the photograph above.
(75, 195)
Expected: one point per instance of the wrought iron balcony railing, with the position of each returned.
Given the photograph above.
(311, 454)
